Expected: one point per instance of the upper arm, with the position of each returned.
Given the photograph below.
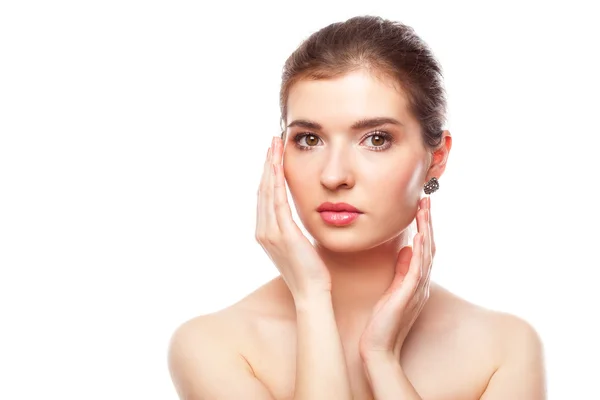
(204, 366)
(521, 374)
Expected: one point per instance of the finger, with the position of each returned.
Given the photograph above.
(430, 241)
(283, 213)
(403, 263)
(401, 270)
(271, 220)
(416, 262)
(427, 258)
(431, 227)
(278, 155)
(427, 255)
(422, 228)
(410, 283)
(261, 204)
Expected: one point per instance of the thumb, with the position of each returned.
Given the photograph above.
(404, 257)
(402, 264)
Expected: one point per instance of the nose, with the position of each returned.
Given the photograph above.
(337, 171)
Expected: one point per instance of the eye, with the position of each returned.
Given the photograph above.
(380, 140)
(310, 140)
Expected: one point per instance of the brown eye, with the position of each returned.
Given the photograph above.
(311, 140)
(306, 141)
(377, 140)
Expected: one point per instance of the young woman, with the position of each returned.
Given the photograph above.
(354, 315)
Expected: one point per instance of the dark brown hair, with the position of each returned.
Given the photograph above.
(380, 46)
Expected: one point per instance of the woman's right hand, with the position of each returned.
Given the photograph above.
(294, 256)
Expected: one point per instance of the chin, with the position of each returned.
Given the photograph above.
(344, 239)
(342, 242)
(353, 238)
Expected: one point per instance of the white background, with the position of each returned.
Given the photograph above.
(133, 135)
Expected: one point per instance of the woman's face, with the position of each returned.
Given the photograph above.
(378, 168)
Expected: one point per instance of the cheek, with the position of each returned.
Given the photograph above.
(296, 177)
(401, 185)
(301, 185)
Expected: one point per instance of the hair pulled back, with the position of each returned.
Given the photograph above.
(384, 48)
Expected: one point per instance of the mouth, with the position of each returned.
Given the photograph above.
(338, 214)
(338, 207)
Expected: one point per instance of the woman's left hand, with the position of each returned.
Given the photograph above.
(396, 311)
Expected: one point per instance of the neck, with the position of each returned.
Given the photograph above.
(360, 278)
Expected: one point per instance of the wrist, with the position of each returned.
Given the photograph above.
(387, 378)
(311, 300)
(379, 356)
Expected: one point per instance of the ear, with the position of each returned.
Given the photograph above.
(440, 156)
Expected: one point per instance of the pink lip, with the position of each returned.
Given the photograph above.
(338, 214)
(327, 206)
(339, 218)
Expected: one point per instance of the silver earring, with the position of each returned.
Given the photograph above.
(431, 186)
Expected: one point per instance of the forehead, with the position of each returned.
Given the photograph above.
(342, 100)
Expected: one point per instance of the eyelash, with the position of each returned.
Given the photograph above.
(385, 135)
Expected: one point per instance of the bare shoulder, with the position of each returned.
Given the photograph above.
(509, 347)
(205, 362)
(501, 326)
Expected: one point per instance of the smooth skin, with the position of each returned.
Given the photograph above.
(356, 313)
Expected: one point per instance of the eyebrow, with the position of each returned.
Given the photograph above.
(360, 124)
